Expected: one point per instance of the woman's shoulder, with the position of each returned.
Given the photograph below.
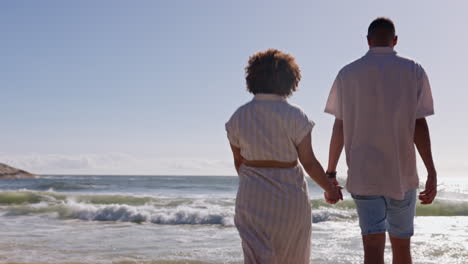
(239, 111)
(296, 109)
(244, 107)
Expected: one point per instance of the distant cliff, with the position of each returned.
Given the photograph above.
(7, 172)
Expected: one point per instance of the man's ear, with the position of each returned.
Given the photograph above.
(395, 41)
(368, 41)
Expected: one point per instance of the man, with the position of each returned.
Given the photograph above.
(380, 102)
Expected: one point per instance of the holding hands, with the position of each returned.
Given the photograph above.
(334, 195)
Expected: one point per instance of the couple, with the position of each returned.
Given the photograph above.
(380, 102)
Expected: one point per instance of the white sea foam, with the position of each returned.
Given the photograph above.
(147, 213)
(99, 208)
(331, 214)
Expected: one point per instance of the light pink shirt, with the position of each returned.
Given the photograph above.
(379, 97)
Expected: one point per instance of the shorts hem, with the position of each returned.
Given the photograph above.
(404, 235)
(370, 232)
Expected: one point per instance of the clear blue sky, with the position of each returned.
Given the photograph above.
(146, 86)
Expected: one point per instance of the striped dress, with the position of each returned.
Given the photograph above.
(273, 215)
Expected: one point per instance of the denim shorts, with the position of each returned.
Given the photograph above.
(378, 214)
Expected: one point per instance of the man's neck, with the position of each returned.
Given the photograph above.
(381, 46)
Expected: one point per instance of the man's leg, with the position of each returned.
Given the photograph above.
(372, 214)
(400, 226)
(374, 246)
(401, 250)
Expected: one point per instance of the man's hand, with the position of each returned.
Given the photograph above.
(423, 144)
(334, 181)
(335, 195)
(428, 195)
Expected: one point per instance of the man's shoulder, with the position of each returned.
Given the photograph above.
(352, 66)
(363, 62)
(409, 65)
(408, 61)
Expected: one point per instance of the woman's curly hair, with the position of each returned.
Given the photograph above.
(272, 72)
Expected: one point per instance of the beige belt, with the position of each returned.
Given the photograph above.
(269, 163)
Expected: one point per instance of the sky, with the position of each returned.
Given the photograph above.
(145, 87)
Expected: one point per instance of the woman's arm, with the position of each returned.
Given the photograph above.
(315, 170)
(237, 157)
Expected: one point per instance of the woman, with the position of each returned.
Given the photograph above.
(267, 136)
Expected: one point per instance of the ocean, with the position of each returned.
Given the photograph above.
(189, 219)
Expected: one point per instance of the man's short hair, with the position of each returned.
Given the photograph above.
(381, 30)
(272, 72)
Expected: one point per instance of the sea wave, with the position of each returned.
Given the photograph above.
(63, 186)
(127, 213)
(173, 211)
(32, 197)
(127, 208)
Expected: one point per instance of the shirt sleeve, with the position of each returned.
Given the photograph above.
(425, 103)
(232, 130)
(334, 103)
(303, 127)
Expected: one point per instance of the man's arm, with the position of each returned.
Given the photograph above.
(336, 147)
(422, 141)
